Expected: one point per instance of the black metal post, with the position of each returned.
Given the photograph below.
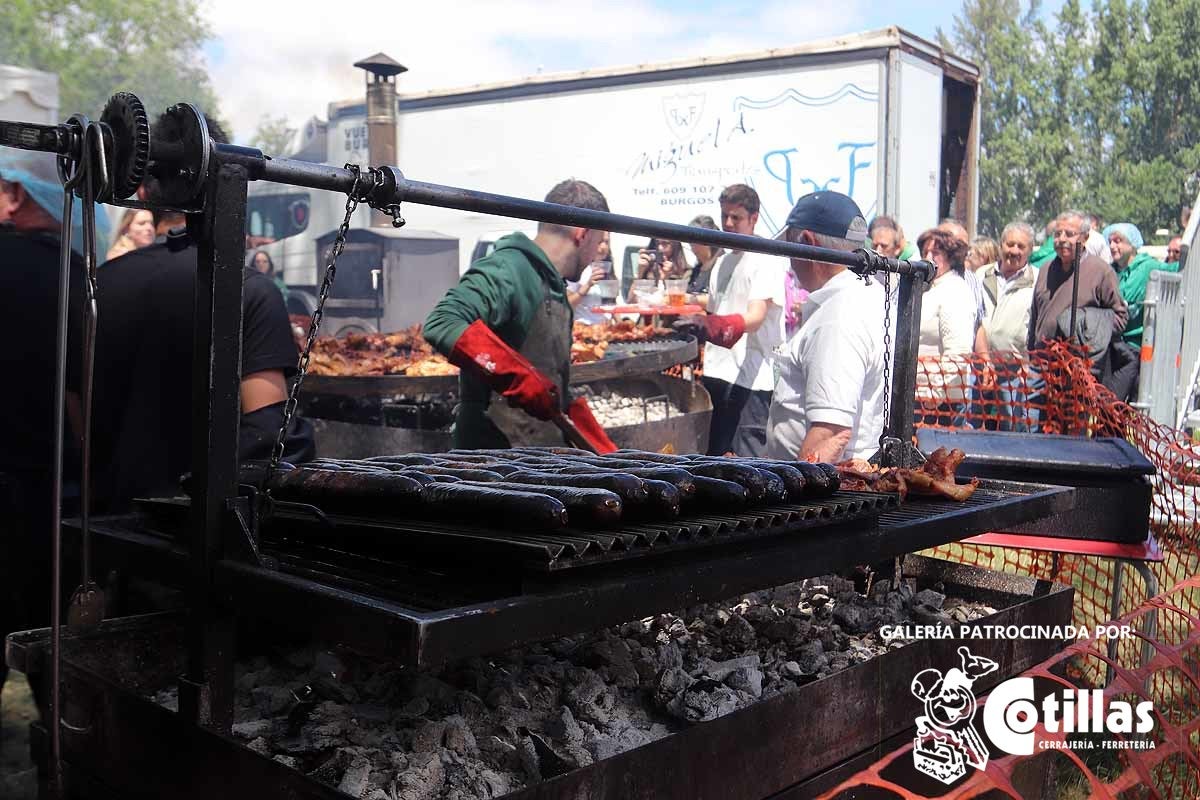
(904, 362)
(206, 691)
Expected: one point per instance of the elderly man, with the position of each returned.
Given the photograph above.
(747, 295)
(887, 238)
(1174, 251)
(1008, 294)
(1133, 274)
(1049, 314)
(829, 401)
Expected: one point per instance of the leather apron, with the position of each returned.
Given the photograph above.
(547, 345)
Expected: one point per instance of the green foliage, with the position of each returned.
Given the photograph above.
(273, 136)
(1097, 109)
(97, 47)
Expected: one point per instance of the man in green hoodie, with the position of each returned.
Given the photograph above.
(1133, 273)
(507, 326)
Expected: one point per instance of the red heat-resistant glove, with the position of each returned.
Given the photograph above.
(481, 352)
(580, 413)
(724, 330)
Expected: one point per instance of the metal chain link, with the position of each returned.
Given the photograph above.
(887, 354)
(339, 244)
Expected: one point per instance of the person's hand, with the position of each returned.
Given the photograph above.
(988, 379)
(645, 262)
(481, 352)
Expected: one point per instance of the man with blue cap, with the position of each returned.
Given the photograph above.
(31, 207)
(828, 404)
(1133, 273)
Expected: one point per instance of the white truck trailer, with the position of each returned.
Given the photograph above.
(886, 117)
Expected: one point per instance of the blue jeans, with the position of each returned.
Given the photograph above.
(1013, 405)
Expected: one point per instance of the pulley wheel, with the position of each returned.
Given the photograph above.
(179, 155)
(126, 118)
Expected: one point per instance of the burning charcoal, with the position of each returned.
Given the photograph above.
(423, 780)
(590, 698)
(720, 670)
(253, 729)
(880, 587)
(417, 707)
(818, 600)
(811, 658)
(365, 712)
(260, 746)
(458, 737)
(358, 775)
(792, 631)
(564, 727)
(927, 615)
(272, 701)
(288, 761)
(791, 669)
(928, 597)
(500, 753)
(706, 700)
(613, 656)
(746, 679)
(602, 747)
(428, 737)
(738, 634)
(329, 665)
(671, 683)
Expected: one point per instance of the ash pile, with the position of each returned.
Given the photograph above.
(486, 726)
(615, 409)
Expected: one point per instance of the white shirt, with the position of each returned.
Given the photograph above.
(947, 330)
(831, 370)
(583, 312)
(749, 363)
(1097, 245)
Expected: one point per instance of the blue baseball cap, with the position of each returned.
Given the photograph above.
(831, 214)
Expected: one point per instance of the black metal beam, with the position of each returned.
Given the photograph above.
(206, 692)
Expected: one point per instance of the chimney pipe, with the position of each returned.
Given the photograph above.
(381, 116)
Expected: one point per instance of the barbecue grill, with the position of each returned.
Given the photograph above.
(423, 592)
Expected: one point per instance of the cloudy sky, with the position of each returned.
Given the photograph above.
(306, 60)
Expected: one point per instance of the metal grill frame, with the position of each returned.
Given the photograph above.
(371, 607)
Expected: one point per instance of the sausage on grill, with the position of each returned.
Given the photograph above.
(630, 488)
(482, 503)
(714, 493)
(586, 507)
(347, 489)
(819, 485)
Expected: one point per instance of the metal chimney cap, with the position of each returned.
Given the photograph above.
(381, 64)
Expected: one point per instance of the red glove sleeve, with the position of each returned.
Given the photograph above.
(580, 413)
(724, 330)
(482, 353)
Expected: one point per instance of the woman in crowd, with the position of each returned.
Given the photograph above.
(135, 231)
(947, 330)
(983, 251)
(261, 262)
(660, 260)
(706, 258)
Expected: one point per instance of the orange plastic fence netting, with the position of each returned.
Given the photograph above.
(1160, 664)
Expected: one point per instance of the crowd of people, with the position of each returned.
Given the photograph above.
(793, 370)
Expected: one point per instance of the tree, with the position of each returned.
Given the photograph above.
(273, 136)
(150, 47)
(1144, 86)
(997, 36)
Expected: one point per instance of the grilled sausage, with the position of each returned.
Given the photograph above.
(718, 494)
(642, 455)
(747, 476)
(663, 504)
(819, 485)
(470, 457)
(835, 477)
(793, 479)
(492, 465)
(586, 507)
(476, 475)
(409, 459)
(481, 502)
(348, 490)
(630, 488)
(555, 451)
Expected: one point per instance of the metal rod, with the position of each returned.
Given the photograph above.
(1075, 293)
(60, 398)
(394, 188)
(908, 340)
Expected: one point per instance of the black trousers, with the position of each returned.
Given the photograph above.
(1126, 365)
(728, 400)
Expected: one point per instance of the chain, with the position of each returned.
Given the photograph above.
(887, 353)
(339, 244)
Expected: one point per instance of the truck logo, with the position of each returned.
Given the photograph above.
(683, 113)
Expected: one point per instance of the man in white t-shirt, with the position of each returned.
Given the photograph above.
(829, 401)
(744, 325)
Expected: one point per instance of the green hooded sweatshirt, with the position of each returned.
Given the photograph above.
(1132, 283)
